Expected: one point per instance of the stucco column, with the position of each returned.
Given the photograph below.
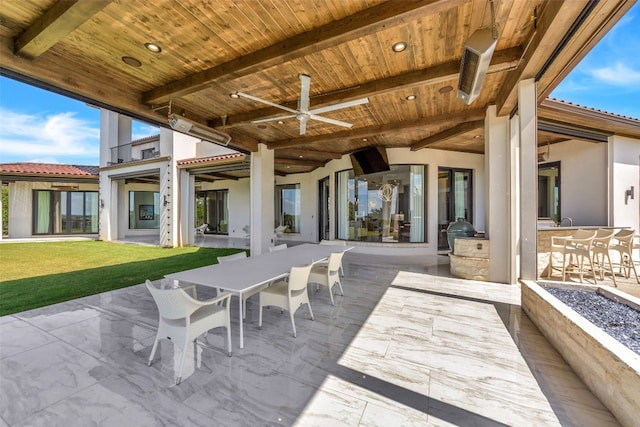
(527, 109)
(496, 155)
(262, 181)
(186, 199)
(514, 199)
(115, 130)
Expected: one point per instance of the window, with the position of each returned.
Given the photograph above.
(382, 207)
(65, 212)
(549, 191)
(288, 207)
(144, 210)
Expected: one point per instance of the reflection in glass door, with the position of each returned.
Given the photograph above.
(323, 209)
(455, 190)
(212, 208)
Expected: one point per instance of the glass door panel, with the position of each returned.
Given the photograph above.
(455, 200)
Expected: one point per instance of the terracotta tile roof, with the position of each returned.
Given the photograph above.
(48, 169)
(195, 161)
(149, 138)
(593, 109)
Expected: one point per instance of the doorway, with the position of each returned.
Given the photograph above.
(212, 207)
(455, 199)
(323, 209)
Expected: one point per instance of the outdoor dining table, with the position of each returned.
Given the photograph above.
(245, 274)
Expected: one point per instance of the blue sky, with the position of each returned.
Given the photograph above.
(41, 126)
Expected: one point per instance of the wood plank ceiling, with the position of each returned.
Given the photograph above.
(95, 50)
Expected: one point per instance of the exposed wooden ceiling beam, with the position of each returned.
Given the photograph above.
(219, 175)
(539, 49)
(447, 134)
(502, 60)
(299, 162)
(370, 20)
(369, 131)
(301, 153)
(59, 21)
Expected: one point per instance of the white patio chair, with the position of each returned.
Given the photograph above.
(246, 295)
(247, 232)
(624, 245)
(279, 232)
(182, 319)
(199, 231)
(280, 247)
(328, 274)
(334, 243)
(289, 295)
(600, 251)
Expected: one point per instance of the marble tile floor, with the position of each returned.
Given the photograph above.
(407, 345)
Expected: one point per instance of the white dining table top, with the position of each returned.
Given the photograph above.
(244, 274)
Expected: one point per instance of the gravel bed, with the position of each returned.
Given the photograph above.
(618, 320)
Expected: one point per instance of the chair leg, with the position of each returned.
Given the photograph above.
(310, 311)
(229, 335)
(330, 293)
(340, 286)
(153, 351)
(260, 316)
(550, 265)
(293, 323)
(182, 358)
(613, 273)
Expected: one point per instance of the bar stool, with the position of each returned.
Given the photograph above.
(578, 248)
(600, 250)
(624, 246)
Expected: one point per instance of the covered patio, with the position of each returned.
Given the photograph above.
(406, 345)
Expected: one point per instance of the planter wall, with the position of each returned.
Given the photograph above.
(607, 367)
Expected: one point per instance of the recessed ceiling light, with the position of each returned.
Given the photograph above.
(445, 89)
(411, 97)
(476, 136)
(280, 122)
(153, 47)
(399, 47)
(131, 61)
(364, 139)
(300, 156)
(234, 95)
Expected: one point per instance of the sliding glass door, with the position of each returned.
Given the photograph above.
(455, 199)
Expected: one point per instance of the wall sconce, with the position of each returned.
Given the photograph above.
(629, 194)
(165, 201)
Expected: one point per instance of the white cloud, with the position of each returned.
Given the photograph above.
(60, 135)
(618, 74)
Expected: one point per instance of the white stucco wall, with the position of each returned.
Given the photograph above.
(583, 181)
(625, 173)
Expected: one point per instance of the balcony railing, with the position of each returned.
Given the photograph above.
(127, 153)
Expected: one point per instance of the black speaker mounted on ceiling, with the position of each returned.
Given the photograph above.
(369, 160)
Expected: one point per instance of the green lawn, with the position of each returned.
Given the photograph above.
(38, 274)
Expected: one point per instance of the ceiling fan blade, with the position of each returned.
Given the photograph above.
(303, 125)
(271, 119)
(253, 98)
(303, 102)
(339, 106)
(332, 121)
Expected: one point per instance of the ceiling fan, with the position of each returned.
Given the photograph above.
(303, 113)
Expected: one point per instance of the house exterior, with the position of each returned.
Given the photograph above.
(166, 185)
(51, 199)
